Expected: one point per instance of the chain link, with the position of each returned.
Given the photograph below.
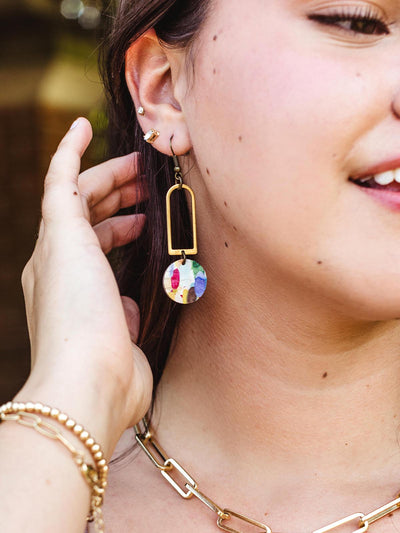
(35, 422)
(363, 524)
(210, 504)
(241, 517)
(176, 466)
(147, 441)
(382, 511)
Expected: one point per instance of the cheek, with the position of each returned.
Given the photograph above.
(277, 127)
(272, 131)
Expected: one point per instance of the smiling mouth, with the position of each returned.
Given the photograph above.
(387, 181)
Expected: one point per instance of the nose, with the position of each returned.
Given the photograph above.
(396, 104)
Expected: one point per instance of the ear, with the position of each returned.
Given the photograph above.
(153, 75)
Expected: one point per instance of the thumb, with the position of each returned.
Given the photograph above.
(132, 316)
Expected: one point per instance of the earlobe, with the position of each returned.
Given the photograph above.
(151, 83)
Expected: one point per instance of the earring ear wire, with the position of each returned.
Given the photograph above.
(177, 166)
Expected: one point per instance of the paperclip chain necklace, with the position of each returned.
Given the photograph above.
(166, 465)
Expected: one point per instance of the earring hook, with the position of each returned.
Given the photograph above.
(174, 156)
(177, 166)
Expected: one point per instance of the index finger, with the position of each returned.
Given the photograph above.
(61, 193)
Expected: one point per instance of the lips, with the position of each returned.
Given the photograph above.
(381, 183)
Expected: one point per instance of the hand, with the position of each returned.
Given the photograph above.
(81, 331)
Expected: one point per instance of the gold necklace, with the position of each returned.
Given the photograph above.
(166, 465)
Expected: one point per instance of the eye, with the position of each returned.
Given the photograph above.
(358, 23)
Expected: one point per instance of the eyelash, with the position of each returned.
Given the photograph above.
(365, 18)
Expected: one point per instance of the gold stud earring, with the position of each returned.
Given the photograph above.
(141, 111)
(151, 136)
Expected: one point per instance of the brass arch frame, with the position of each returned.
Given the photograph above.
(176, 251)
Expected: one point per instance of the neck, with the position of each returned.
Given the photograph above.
(296, 389)
(299, 383)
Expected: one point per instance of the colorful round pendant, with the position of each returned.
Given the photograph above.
(185, 282)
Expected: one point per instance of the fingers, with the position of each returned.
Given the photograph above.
(61, 196)
(96, 194)
(118, 231)
(111, 186)
(132, 316)
(125, 196)
(98, 182)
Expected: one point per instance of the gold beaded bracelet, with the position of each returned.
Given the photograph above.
(29, 414)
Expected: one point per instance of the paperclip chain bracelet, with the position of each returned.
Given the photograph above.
(30, 415)
(167, 466)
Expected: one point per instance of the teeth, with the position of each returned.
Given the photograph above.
(384, 178)
(387, 177)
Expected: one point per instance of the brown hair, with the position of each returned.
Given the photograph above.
(141, 265)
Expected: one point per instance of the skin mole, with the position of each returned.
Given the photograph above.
(75, 193)
(215, 37)
(240, 138)
(324, 375)
(225, 204)
(208, 172)
(319, 262)
(234, 228)
(226, 245)
(214, 71)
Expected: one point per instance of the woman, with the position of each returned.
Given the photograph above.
(280, 395)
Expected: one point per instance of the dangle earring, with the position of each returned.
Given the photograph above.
(184, 281)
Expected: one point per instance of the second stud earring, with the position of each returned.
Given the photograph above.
(151, 136)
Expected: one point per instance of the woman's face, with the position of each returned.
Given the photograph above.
(291, 99)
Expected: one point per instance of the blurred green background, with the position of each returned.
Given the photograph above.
(48, 77)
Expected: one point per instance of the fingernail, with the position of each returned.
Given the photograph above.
(74, 124)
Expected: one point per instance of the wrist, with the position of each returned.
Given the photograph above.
(92, 407)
